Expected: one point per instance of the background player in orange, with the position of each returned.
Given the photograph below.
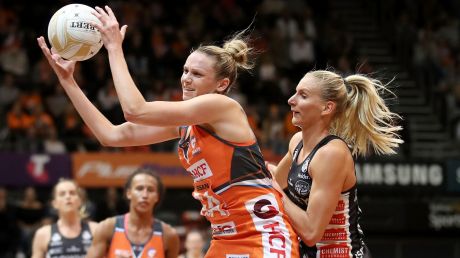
(318, 172)
(217, 145)
(70, 236)
(137, 233)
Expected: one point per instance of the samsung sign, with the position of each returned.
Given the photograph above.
(400, 174)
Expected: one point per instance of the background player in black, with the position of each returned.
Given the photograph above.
(70, 236)
(334, 114)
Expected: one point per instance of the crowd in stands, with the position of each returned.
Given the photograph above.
(36, 116)
(426, 38)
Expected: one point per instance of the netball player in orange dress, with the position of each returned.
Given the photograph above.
(137, 233)
(217, 145)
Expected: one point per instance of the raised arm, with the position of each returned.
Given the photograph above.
(208, 108)
(127, 134)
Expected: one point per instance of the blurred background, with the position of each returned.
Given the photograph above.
(410, 201)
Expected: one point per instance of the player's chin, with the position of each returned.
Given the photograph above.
(144, 208)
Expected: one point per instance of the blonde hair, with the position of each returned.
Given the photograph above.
(362, 118)
(80, 191)
(232, 57)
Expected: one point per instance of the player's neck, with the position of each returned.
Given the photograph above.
(69, 220)
(141, 219)
(194, 254)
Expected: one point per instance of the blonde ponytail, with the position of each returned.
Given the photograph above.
(367, 122)
(362, 118)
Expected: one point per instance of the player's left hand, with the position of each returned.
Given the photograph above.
(111, 34)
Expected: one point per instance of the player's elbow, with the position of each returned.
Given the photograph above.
(133, 115)
(311, 238)
(110, 140)
(106, 143)
(130, 115)
(134, 112)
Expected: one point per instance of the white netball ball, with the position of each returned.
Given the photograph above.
(71, 34)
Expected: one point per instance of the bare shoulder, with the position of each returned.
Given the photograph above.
(336, 149)
(43, 233)
(296, 138)
(171, 240)
(105, 228)
(40, 241)
(169, 230)
(92, 226)
(218, 100)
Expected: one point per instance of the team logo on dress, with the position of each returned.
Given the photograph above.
(56, 237)
(195, 149)
(151, 252)
(86, 237)
(302, 188)
(264, 209)
(183, 146)
(305, 165)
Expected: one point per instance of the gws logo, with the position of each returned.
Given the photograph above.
(266, 218)
(264, 209)
(151, 252)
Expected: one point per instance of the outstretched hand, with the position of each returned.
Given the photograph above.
(63, 68)
(112, 35)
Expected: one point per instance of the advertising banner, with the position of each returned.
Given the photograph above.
(33, 169)
(453, 175)
(444, 214)
(401, 175)
(112, 169)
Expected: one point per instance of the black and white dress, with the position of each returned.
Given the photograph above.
(343, 237)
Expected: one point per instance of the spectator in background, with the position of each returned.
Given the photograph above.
(194, 245)
(9, 92)
(70, 235)
(52, 144)
(30, 215)
(9, 233)
(110, 205)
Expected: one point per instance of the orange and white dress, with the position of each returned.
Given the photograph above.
(234, 186)
(121, 245)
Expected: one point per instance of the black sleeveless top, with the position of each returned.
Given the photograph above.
(62, 247)
(343, 236)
